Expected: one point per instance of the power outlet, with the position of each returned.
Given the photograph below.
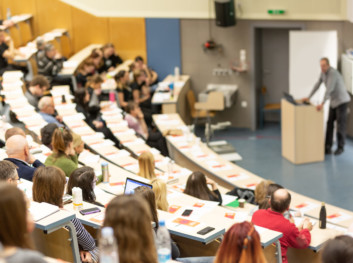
(244, 104)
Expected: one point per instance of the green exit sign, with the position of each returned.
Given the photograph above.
(276, 11)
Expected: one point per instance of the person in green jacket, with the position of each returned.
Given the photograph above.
(64, 155)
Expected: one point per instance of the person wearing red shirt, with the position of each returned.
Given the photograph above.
(273, 219)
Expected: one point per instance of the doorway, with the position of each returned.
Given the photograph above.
(271, 60)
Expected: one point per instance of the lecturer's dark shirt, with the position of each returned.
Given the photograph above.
(24, 170)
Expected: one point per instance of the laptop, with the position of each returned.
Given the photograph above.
(289, 98)
(131, 184)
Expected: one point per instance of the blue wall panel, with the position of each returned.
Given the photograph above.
(163, 45)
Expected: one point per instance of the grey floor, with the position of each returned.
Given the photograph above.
(330, 181)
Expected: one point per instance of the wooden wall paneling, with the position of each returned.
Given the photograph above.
(66, 45)
(14, 32)
(26, 32)
(53, 14)
(129, 37)
(21, 7)
(88, 29)
(18, 7)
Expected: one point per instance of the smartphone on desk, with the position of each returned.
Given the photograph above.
(187, 212)
(89, 211)
(206, 230)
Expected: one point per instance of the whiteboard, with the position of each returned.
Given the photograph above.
(306, 48)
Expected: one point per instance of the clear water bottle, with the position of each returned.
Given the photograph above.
(163, 243)
(108, 248)
(8, 14)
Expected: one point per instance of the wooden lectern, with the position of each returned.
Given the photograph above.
(302, 133)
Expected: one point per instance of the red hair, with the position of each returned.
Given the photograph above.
(241, 244)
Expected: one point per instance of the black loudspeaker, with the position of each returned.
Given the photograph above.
(225, 13)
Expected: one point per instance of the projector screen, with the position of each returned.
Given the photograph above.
(306, 48)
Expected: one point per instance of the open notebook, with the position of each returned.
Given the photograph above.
(42, 210)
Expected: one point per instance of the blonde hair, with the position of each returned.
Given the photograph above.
(159, 188)
(146, 165)
(261, 190)
(77, 140)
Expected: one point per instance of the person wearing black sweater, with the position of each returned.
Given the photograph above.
(196, 186)
(110, 58)
(92, 114)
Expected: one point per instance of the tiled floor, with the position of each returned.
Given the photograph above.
(330, 181)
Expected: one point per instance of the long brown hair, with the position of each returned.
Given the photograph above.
(48, 185)
(147, 194)
(146, 165)
(196, 186)
(13, 217)
(160, 192)
(261, 190)
(130, 218)
(241, 244)
(61, 140)
(83, 177)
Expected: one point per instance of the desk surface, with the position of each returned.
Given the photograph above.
(17, 19)
(73, 62)
(165, 97)
(55, 220)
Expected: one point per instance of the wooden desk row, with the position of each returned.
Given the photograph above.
(21, 32)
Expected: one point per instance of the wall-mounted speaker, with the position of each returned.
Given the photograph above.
(225, 13)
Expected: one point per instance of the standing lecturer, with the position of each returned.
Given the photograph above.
(339, 98)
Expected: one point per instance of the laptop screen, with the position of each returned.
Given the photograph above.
(131, 184)
(289, 98)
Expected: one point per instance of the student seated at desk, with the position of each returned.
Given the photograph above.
(18, 153)
(15, 228)
(135, 120)
(338, 250)
(146, 165)
(46, 134)
(78, 144)
(47, 111)
(92, 114)
(274, 219)
(159, 188)
(241, 244)
(148, 195)
(64, 155)
(84, 178)
(142, 95)
(130, 218)
(85, 70)
(123, 89)
(196, 186)
(37, 87)
(40, 44)
(48, 186)
(110, 58)
(14, 131)
(50, 63)
(8, 51)
(97, 59)
(8, 173)
(94, 87)
(151, 75)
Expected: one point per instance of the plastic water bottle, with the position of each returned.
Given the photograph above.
(163, 243)
(8, 14)
(77, 198)
(108, 248)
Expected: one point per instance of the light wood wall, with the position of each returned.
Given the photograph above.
(127, 34)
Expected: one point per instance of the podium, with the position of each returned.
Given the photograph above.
(302, 133)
